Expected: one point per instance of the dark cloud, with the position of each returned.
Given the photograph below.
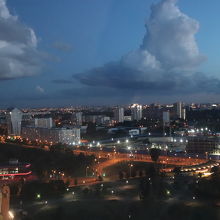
(123, 78)
(62, 81)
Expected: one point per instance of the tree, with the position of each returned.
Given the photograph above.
(154, 153)
(91, 128)
(120, 174)
(150, 171)
(140, 173)
(215, 170)
(75, 182)
(177, 171)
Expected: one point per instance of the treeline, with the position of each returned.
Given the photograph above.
(59, 158)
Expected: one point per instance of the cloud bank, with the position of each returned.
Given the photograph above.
(165, 62)
(19, 56)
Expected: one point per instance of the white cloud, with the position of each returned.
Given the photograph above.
(166, 58)
(19, 56)
(169, 44)
(40, 89)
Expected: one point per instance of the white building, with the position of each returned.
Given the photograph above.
(14, 118)
(134, 132)
(183, 115)
(136, 112)
(69, 136)
(127, 118)
(180, 111)
(119, 114)
(78, 116)
(166, 118)
(43, 122)
(54, 135)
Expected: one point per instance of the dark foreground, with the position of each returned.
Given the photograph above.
(119, 200)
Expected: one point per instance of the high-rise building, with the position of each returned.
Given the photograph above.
(136, 112)
(119, 114)
(79, 118)
(55, 135)
(183, 115)
(14, 118)
(43, 122)
(180, 111)
(166, 117)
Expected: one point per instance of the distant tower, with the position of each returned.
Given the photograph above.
(14, 118)
(136, 112)
(166, 117)
(119, 114)
(183, 115)
(166, 120)
(180, 112)
(79, 118)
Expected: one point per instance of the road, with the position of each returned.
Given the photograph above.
(114, 158)
(176, 161)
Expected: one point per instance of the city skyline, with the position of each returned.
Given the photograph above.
(101, 53)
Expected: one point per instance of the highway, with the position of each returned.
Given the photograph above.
(117, 157)
(168, 160)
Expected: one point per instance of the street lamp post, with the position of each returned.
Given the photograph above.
(206, 153)
(86, 170)
(130, 166)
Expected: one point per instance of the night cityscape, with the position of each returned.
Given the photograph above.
(109, 110)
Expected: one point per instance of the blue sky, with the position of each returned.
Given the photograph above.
(76, 36)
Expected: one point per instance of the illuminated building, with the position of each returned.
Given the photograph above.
(119, 114)
(203, 144)
(98, 119)
(180, 112)
(136, 112)
(14, 170)
(77, 118)
(53, 135)
(43, 122)
(166, 118)
(14, 118)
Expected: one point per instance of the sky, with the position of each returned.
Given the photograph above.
(82, 52)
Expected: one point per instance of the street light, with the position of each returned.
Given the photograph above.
(11, 214)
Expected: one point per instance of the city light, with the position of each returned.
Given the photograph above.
(38, 196)
(11, 214)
